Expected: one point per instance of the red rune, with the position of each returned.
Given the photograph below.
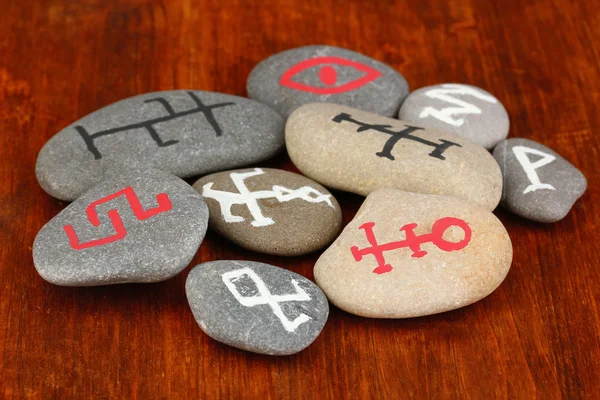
(412, 241)
(328, 75)
(164, 204)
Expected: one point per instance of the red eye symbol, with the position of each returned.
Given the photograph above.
(328, 75)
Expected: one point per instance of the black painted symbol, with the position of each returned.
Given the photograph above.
(437, 152)
(149, 124)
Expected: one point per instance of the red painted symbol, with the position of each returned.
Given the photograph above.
(412, 241)
(328, 75)
(164, 204)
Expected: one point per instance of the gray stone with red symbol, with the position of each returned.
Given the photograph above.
(312, 74)
(137, 226)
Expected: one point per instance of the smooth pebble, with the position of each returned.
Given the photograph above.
(256, 307)
(465, 110)
(311, 74)
(185, 132)
(137, 226)
(271, 211)
(408, 255)
(539, 184)
(356, 151)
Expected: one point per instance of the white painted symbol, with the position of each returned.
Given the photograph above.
(445, 114)
(529, 167)
(265, 296)
(250, 199)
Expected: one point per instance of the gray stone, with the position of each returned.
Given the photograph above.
(353, 150)
(408, 255)
(256, 307)
(539, 184)
(136, 226)
(311, 74)
(271, 211)
(183, 132)
(465, 110)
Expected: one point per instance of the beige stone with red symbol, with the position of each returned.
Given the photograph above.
(408, 255)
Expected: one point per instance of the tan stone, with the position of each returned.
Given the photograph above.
(437, 281)
(292, 216)
(337, 155)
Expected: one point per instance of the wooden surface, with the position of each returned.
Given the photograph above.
(537, 336)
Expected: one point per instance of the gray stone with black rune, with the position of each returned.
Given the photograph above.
(310, 74)
(256, 307)
(539, 184)
(137, 226)
(185, 132)
(465, 110)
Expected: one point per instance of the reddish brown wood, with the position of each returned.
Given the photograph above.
(536, 336)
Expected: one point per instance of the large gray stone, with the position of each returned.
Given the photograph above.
(136, 226)
(310, 74)
(256, 307)
(184, 132)
(539, 184)
(465, 110)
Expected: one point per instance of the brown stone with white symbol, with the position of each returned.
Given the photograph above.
(409, 255)
(271, 211)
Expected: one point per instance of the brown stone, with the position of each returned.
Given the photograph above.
(290, 215)
(450, 263)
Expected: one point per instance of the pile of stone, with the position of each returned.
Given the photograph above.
(424, 241)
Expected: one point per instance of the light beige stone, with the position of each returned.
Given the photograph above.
(344, 155)
(437, 281)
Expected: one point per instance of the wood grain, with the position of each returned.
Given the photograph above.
(537, 336)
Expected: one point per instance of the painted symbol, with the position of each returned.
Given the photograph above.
(446, 114)
(164, 204)
(250, 199)
(412, 241)
(438, 148)
(530, 167)
(89, 138)
(328, 75)
(265, 297)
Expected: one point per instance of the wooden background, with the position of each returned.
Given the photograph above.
(537, 336)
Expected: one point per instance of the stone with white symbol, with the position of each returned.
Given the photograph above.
(271, 211)
(539, 184)
(353, 150)
(408, 255)
(310, 74)
(137, 226)
(256, 307)
(465, 110)
(185, 132)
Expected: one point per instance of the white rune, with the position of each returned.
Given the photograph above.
(265, 297)
(445, 94)
(529, 167)
(250, 199)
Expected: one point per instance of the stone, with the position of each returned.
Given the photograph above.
(185, 132)
(539, 184)
(465, 110)
(408, 255)
(271, 211)
(356, 151)
(136, 226)
(311, 74)
(256, 307)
